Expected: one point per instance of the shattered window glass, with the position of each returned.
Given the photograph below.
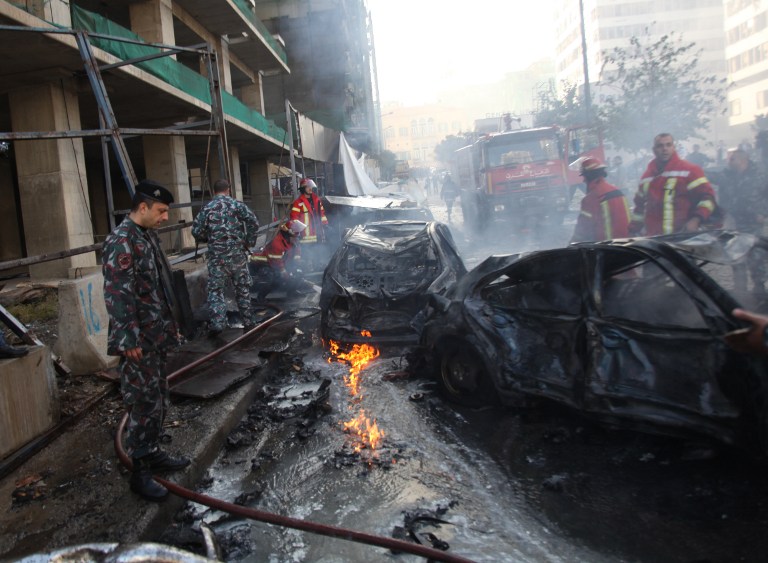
(371, 271)
(543, 285)
(642, 291)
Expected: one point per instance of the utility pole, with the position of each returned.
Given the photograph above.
(587, 95)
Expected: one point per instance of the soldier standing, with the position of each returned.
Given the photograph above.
(141, 331)
(230, 229)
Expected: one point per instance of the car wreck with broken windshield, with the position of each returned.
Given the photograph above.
(630, 332)
(381, 277)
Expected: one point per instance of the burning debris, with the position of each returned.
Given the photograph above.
(365, 432)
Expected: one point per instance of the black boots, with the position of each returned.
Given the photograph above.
(160, 461)
(154, 462)
(143, 484)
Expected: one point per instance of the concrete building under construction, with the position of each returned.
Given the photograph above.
(97, 94)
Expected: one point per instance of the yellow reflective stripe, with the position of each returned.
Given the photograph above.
(637, 217)
(607, 220)
(697, 183)
(586, 214)
(258, 259)
(276, 256)
(626, 208)
(296, 209)
(311, 238)
(668, 217)
(707, 204)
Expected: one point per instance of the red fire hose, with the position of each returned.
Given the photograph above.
(269, 517)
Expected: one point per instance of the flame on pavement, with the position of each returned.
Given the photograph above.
(357, 358)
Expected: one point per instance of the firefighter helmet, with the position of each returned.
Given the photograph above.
(307, 183)
(591, 164)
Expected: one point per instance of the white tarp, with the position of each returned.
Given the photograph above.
(358, 182)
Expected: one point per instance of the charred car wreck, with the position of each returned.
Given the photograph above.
(630, 332)
(381, 277)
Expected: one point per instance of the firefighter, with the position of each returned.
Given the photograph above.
(674, 195)
(308, 209)
(268, 266)
(604, 210)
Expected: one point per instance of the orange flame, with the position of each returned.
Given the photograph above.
(359, 356)
(368, 432)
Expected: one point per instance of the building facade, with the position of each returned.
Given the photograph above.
(61, 188)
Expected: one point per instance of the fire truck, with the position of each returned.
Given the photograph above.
(523, 175)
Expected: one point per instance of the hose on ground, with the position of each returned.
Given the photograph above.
(269, 517)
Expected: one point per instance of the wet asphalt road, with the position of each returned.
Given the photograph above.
(538, 484)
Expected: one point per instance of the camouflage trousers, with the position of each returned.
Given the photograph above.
(219, 271)
(145, 393)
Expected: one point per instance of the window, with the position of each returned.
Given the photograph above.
(735, 107)
(542, 284)
(639, 290)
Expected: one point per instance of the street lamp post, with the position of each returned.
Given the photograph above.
(587, 94)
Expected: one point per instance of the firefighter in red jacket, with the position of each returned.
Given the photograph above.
(308, 209)
(268, 265)
(604, 210)
(674, 195)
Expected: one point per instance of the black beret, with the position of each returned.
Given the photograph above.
(153, 190)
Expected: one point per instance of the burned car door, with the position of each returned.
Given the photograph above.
(653, 356)
(535, 308)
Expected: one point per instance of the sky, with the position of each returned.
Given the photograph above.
(424, 47)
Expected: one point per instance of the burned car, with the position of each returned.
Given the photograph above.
(628, 331)
(381, 277)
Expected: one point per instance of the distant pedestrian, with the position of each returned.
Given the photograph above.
(141, 331)
(230, 228)
(698, 157)
(449, 193)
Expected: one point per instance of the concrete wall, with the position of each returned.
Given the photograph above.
(83, 325)
(28, 398)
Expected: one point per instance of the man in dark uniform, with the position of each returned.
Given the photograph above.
(230, 228)
(743, 194)
(141, 331)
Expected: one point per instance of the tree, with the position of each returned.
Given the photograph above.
(445, 149)
(567, 110)
(652, 87)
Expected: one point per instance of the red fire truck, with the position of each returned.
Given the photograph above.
(523, 175)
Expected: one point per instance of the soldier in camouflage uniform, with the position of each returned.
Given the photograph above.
(230, 229)
(141, 331)
(743, 194)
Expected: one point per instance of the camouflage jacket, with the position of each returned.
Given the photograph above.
(139, 313)
(227, 225)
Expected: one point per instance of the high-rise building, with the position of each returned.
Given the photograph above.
(611, 23)
(746, 51)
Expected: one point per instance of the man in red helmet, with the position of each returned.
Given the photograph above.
(674, 195)
(604, 210)
(308, 209)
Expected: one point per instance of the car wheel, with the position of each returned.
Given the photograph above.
(462, 377)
